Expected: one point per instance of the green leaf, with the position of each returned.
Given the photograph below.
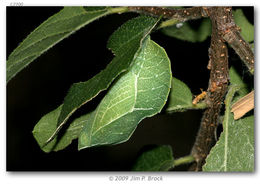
(187, 33)
(156, 159)
(125, 43)
(180, 98)
(48, 124)
(94, 8)
(50, 32)
(236, 153)
(234, 150)
(139, 93)
(247, 29)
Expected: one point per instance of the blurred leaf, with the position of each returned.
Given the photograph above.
(139, 93)
(184, 31)
(235, 79)
(48, 124)
(180, 98)
(156, 159)
(49, 33)
(125, 43)
(247, 29)
(253, 46)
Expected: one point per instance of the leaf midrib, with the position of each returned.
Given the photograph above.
(226, 122)
(226, 143)
(136, 76)
(130, 111)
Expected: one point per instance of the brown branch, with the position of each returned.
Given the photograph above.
(226, 26)
(218, 83)
(231, 34)
(181, 15)
(241, 47)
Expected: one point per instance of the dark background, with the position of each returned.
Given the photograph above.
(42, 86)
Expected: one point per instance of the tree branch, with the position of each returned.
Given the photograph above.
(218, 83)
(231, 34)
(226, 26)
(241, 47)
(224, 30)
(180, 15)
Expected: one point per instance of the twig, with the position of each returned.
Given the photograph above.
(243, 105)
(231, 34)
(218, 83)
(183, 160)
(226, 26)
(167, 23)
(181, 15)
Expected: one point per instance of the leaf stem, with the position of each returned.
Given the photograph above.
(183, 160)
(232, 90)
(183, 14)
(167, 23)
(119, 10)
(201, 105)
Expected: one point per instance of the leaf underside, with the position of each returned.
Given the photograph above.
(49, 33)
(157, 159)
(139, 93)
